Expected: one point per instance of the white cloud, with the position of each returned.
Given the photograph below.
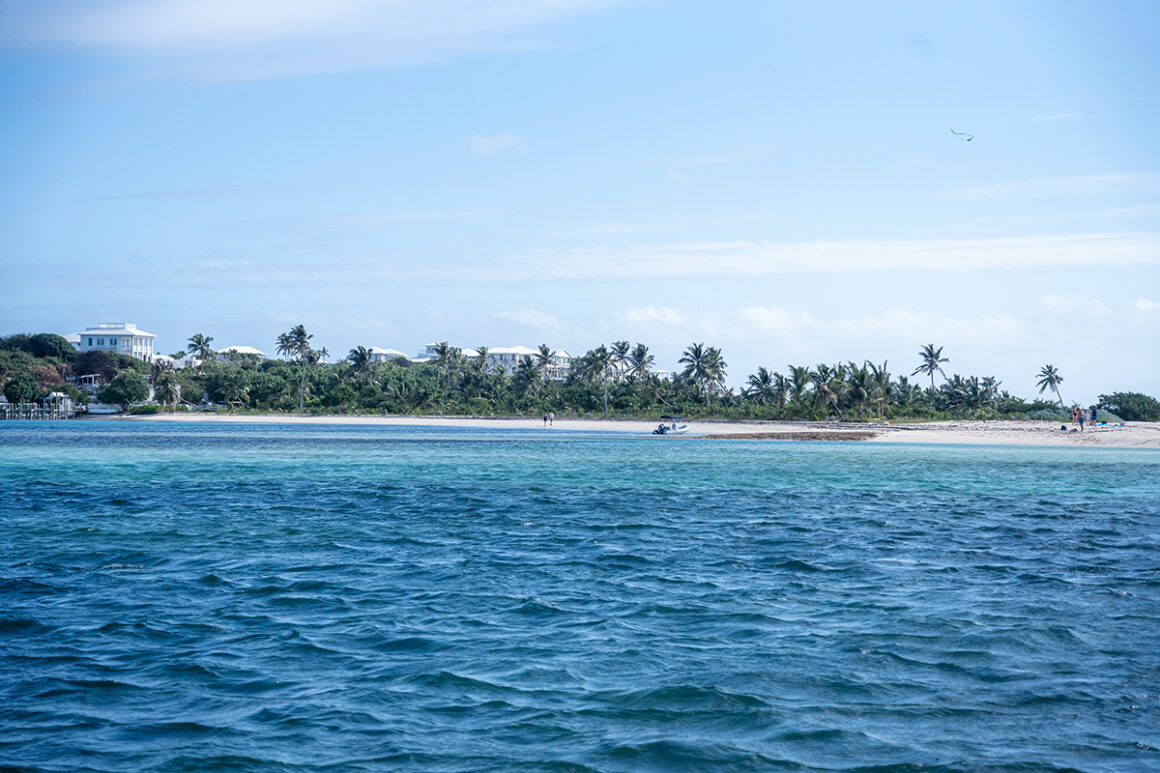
(772, 319)
(529, 317)
(778, 322)
(1087, 306)
(499, 143)
(254, 39)
(650, 314)
(1143, 304)
(702, 259)
(1054, 117)
(1091, 185)
(906, 325)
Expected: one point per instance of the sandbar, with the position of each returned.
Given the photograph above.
(1035, 433)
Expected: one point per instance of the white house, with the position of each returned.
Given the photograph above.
(379, 354)
(245, 350)
(508, 358)
(123, 337)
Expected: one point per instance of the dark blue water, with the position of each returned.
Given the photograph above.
(268, 598)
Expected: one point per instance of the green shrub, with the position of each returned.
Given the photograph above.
(1131, 406)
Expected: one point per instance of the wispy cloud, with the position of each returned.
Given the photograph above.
(664, 226)
(779, 322)
(231, 40)
(363, 219)
(1054, 117)
(1090, 185)
(724, 259)
(498, 143)
(1086, 306)
(1146, 305)
(1142, 210)
(530, 318)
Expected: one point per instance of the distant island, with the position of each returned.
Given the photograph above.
(618, 379)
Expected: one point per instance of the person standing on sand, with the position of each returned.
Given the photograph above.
(1093, 415)
(1074, 414)
(545, 419)
(1082, 418)
(552, 417)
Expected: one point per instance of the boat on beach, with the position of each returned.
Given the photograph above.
(671, 425)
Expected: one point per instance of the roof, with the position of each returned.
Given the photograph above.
(243, 350)
(116, 328)
(522, 351)
(386, 352)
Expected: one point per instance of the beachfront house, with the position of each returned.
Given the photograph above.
(379, 354)
(123, 337)
(508, 358)
(244, 352)
(560, 365)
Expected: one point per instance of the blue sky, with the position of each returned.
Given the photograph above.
(776, 179)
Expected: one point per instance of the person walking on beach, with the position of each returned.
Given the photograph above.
(552, 417)
(545, 419)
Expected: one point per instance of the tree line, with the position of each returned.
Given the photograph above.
(617, 379)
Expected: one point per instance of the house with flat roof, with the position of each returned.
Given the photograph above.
(123, 337)
(242, 350)
(379, 354)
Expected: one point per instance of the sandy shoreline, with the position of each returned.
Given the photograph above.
(1037, 433)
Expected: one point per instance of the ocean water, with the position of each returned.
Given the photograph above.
(289, 598)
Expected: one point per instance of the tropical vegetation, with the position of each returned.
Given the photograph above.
(618, 379)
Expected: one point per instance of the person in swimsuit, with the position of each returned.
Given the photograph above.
(1082, 419)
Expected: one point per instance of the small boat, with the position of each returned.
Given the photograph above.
(675, 426)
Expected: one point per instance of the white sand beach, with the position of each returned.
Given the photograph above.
(1038, 433)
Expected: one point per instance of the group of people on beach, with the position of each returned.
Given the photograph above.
(1079, 416)
(549, 418)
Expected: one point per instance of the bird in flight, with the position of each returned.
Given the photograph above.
(963, 135)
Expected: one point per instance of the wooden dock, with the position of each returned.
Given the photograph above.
(50, 410)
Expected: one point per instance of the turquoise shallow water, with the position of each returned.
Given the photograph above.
(288, 598)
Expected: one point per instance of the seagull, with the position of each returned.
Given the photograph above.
(963, 135)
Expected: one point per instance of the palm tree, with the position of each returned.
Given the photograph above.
(1049, 378)
(544, 360)
(527, 377)
(296, 343)
(704, 366)
(780, 387)
(881, 386)
(482, 351)
(799, 379)
(158, 369)
(600, 360)
(760, 387)
(620, 351)
(447, 356)
(829, 383)
(860, 386)
(199, 345)
(165, 389)
(640, 362)
(285, 345)
(931, 358)
(361, 364)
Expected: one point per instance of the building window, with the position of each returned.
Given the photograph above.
(100, 342)
(90, 340)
